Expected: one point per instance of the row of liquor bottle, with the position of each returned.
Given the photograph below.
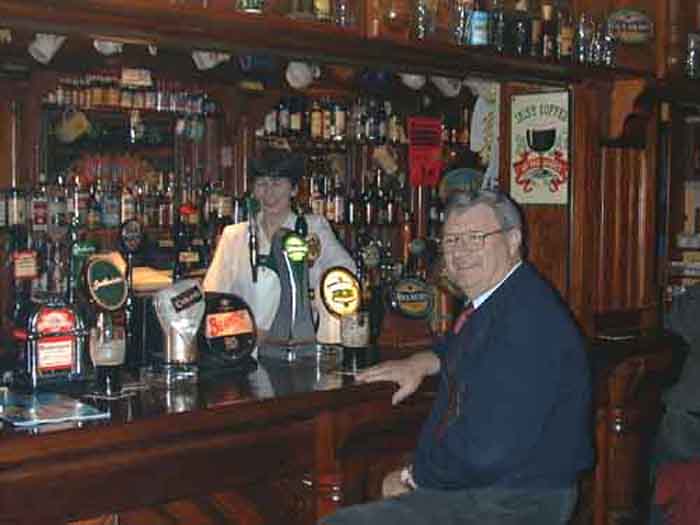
(378, 200)
(107, 202)
(364, 120)
(549, 31)
(545, 28)
(106, 90)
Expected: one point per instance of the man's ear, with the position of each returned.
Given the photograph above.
(515, 242)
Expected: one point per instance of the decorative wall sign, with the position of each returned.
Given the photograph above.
(540, 148)
(631, 26)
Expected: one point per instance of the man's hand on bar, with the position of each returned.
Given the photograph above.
(407, 373)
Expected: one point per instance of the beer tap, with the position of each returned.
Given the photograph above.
(253, 249)
(131, 239)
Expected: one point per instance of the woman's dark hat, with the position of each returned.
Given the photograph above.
(277, 163)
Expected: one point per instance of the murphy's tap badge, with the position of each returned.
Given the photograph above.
(228, 328)
(412, 298)
(131, 236)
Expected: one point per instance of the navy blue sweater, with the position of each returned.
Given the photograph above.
(524, 416)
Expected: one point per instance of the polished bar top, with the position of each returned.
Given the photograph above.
(234, 429)
(274, 374)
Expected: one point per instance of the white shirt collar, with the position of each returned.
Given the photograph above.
(480, 300)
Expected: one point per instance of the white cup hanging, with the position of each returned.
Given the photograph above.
(44, 46)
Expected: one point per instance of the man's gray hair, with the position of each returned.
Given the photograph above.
(506, 211)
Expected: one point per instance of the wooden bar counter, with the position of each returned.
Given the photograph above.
(288, 442)
(284, 443)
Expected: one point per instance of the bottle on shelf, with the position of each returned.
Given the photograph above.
(479, 25)
(549, 31)
(111, 205)
(521, 29)
(127, 205)
(565, 32)
(39, 207)
(497, 26)
(536, 29)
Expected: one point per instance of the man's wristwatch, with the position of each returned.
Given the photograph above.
(406, 477)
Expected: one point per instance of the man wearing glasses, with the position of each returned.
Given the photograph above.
(509, 431)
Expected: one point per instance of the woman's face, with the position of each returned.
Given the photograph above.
(274, 194)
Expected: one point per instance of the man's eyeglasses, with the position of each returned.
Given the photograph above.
(468, 240)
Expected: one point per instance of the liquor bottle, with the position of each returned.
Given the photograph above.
(283, 123)
(166, 211)
(58, 209)
(111, 204)
(339, 121)
(39, 207)
(353, 208)
(565, 33)
(461, 21)
(80, 250)
(339, 203)
(328, 130)
(224, 212)
(380, 205)
(406, 237)
(371, 122)
(479, 30)
(187, 257)
(316, 126)
(270, 123)
(392, 207)
(382, 123)
(521, 29)
(368, 202)
(78, 198)
(24, 261)
(536, 29)
(434, 214)
(94, 211)
(497, 26)
(549, 31)
(423, 20)
(583, 38)
(296, 116)
(329, 207)
(127, 206)
(16, 209)
(317, 197)
(150, 205)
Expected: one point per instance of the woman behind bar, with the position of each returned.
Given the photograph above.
(275, 174)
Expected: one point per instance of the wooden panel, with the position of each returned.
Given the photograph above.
(587, 210)
(548, 234)
(627, 231)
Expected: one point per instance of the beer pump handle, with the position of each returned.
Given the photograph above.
(252, 205)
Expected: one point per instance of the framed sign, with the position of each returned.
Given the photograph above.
(539, 148)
